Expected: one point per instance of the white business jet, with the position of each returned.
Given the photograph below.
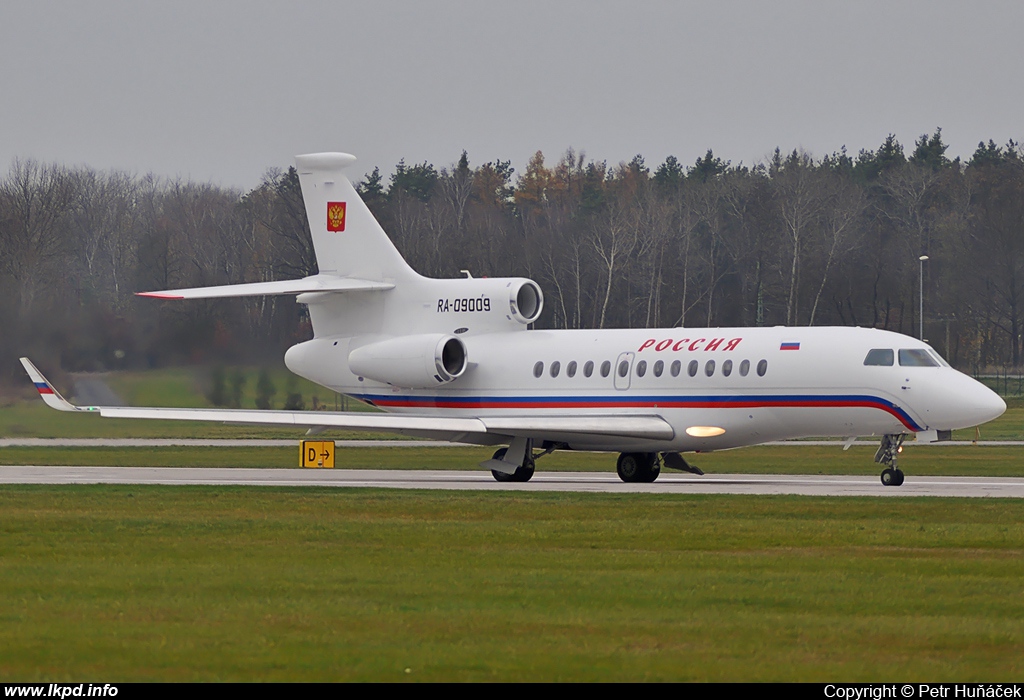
(454, 359)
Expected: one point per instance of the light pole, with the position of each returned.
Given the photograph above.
(920, 304)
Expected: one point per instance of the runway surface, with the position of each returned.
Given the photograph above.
(593, 482)
(294, 442)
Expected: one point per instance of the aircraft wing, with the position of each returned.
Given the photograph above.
(476, 430)
(313, 283)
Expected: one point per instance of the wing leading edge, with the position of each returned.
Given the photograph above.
(477, 430)
(314, 283)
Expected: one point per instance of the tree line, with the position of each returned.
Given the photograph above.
(795, 240)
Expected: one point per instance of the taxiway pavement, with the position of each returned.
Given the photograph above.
(294, 442)
(592, 482)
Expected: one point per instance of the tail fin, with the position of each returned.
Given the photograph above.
(347, 239)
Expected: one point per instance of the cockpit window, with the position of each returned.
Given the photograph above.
(938, 357)
(880, 356)
(917, 358)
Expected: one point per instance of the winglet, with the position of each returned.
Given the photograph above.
(50, 396)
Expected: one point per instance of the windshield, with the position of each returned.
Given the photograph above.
(917, 358)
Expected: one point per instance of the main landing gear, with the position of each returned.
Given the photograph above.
(638, 467)
(522, 473)
(517, 462)
(644, 467)
(887, 454)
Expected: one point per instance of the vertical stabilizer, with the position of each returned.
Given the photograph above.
(347, 239)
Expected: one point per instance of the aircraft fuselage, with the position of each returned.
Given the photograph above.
(748, 385)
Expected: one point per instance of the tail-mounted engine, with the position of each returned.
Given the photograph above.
(486, 304)
(525, 301)
(412, 361)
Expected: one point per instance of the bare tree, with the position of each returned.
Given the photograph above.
(37, 200)
(843, 204)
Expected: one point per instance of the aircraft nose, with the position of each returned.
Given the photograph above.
(983, 404)
(963, 402)
(995, 405)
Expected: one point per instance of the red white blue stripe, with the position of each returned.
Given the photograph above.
(647, 402)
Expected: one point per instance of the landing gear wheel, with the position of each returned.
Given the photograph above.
(629, 466)
(654, 470)
(521, 474)
(892, 477)
(638, 467)
(887, 454)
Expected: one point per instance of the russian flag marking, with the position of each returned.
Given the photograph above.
(789, 346)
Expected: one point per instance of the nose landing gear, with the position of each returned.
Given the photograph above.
(887, 454)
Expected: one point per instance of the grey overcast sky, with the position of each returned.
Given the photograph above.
(220, 91)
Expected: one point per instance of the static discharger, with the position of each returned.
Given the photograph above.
(316, 454)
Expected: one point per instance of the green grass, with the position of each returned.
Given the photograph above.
(184, 387)
(34, 419)
(122, 583)
(915, 461)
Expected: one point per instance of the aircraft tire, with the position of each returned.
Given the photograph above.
(501, 476)
(525, 472)
(653, 470)
(889, 477)
(899, 478)
(522, 474)
(636, 468)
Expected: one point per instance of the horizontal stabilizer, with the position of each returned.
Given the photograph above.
(314, 283)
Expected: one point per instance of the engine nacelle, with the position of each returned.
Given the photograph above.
(526, 301)
(412, 361)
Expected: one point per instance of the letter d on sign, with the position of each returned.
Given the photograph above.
(316, 454)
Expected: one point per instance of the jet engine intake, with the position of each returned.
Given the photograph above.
(412, 361)
(526, 301)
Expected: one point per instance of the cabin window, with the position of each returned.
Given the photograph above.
(538, 369)
(676, 366)
(588, 369)
(916, 358)
(606, 368)
(762, 367)
(641, 368)
(744, 368)
(555, 366)
(623, 368)
(709, 368)
(727, 368)
(570, 369)
(659, 367)
(880, 356)
(692, 368)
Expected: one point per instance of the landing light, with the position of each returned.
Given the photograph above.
(704, 431)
